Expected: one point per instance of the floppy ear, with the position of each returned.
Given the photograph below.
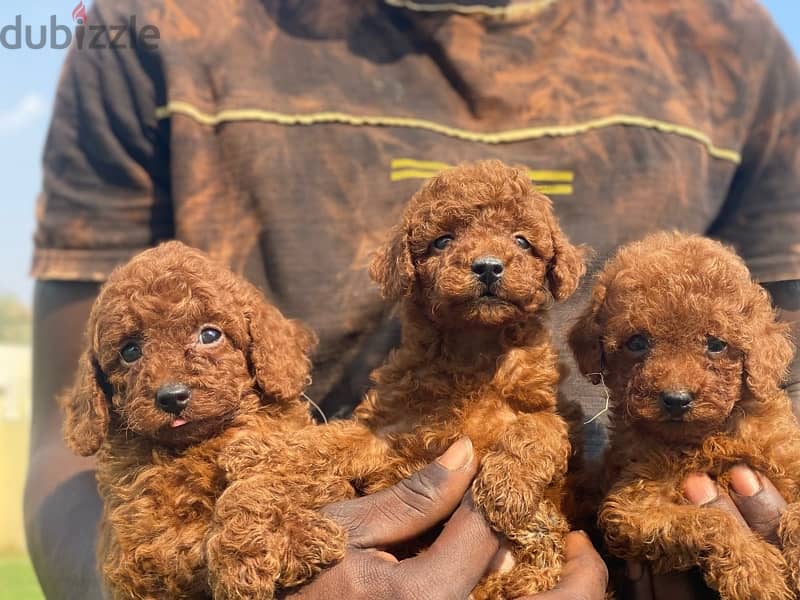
(279, 351)
(567, 265)
(585, 340)
(392, 269)
(85, 408)
(766, 363)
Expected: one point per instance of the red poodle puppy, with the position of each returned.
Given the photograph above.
(476, 262)
(181, 357)
(693, 357)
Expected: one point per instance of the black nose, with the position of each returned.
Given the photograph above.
(488, 269)
(173, 397)
(676, 402)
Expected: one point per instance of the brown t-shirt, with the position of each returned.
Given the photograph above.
(285, 137)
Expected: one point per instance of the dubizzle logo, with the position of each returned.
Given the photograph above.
(79, 14)
(116, 36)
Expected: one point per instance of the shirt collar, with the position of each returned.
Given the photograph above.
(513, 10)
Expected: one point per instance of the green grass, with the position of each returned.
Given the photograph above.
(17, 580)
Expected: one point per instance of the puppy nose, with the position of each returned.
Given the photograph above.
(488, 269)
(676, 402)
(173, 397)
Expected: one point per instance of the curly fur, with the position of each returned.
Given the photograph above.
(159, 481)
(677, 290)
(468, 364)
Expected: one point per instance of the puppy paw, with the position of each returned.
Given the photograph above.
(753, 570)
(538, 551)
(507, 502)
(523, 580)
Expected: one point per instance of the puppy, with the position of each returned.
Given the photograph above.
(693, 358)
(181, 357)
(477, 260)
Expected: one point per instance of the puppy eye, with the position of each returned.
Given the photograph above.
(715, 345)
(131, 352)
(522, 242)
(443, 242)
(637, 344)
(209, 335)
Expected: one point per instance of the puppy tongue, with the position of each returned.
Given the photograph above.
(178, 423)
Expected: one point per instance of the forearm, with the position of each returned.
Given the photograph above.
(62, 507)
(62, 510)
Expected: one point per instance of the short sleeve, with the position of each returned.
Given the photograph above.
(105, 192)
(761, 216)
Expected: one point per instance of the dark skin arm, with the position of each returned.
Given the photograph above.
(62, 507)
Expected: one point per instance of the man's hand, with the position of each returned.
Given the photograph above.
(754, 502)
(454, 563)
(450, 568)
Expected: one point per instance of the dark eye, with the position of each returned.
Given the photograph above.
(131, 352)
(209, 335)
(522, 242)
(443, 242)
(638, 343)
(715, 345)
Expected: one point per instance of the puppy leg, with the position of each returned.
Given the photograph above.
(538, 555)
(267, 535)
(640, 523)
(512, 489)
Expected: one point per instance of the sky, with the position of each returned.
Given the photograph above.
(29, 79)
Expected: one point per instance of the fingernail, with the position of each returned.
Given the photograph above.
(699, 489)
(635, 570)
(457, 456)
(744, 481)
(583, 533)
(504, 560)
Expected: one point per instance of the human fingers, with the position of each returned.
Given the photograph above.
(699, 489)
(758, 501)
(412, 506)
(459, 557)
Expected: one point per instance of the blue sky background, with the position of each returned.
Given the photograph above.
(29, 79)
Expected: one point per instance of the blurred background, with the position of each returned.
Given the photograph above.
(29, 81)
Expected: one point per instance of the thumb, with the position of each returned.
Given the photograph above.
(411, 507)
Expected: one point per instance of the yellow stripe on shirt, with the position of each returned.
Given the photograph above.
(555, 190)
(545, 181)
(499, 137)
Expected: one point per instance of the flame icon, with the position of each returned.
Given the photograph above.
(79, 13)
